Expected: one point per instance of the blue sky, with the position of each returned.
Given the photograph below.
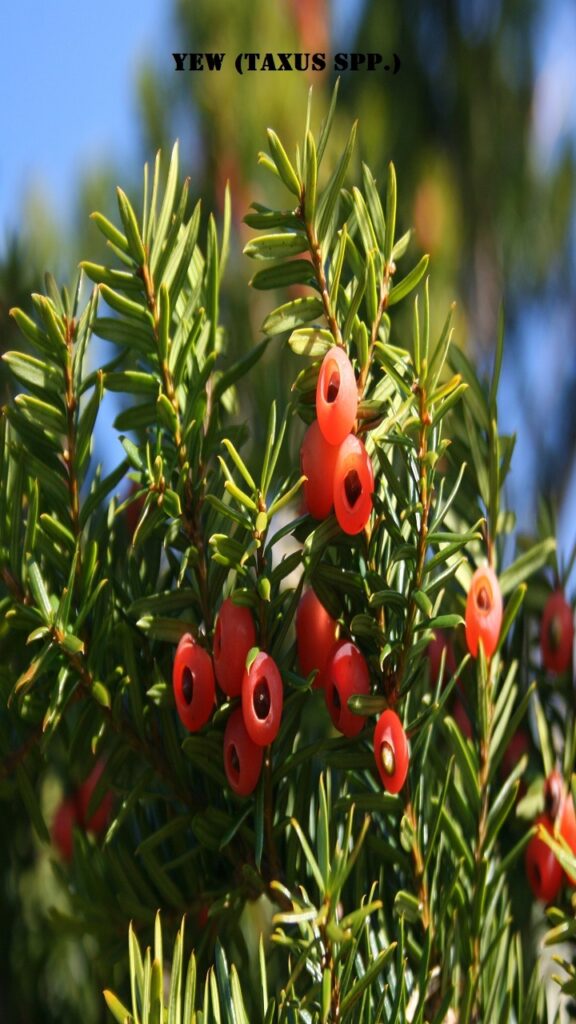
(67, 77)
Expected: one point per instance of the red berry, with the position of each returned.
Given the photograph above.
(568, 829)
(315, 635)
(233, 637)
(320, 681)
(262, 698)
(318, 462)
(543, 870)
(391, 751)
(98, 820)
(346, 674)
(242, 757)
(557, 633)
(559, 808)
(336, 396)
(65, 819)
(193, 682)
(483, 612)
(353, 485)
(440, 643)
(568, 822)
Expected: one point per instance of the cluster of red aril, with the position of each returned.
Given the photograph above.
(341, 669)
(342, 672)
(545, 873)
(254, 724)
(73, 813)
(334, 460)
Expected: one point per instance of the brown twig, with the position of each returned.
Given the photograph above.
(316, 255)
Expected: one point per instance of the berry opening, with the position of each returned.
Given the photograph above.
(333, 385)
(233, 761)
(352, 487)
(261, 699)
(483, 600)
(188, 685)
(388, 758)
(336, 699)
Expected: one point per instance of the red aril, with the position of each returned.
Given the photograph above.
(336, 396)
(391, 751)
(353, 485)
(483, 612)
(262, 698)
(234, 636)
(346, 675)
(315, 635)
(193, 683)
(557, 633)
(318, 462)
(242, 757)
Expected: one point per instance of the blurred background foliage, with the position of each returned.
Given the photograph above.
(488, 183)
(481, 122)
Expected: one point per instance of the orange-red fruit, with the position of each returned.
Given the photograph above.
(320, 681)
(353, 485)
(65, 819)
(233, 637)
(193, 683)
(557, 633)
(568, 829)
(440, 643)
(318, 462)
(543, 870)
(346, 675)
(559, 807)
(483, 612)
(262, 698)
(98, 820)
(315, 636)
(391, 751)
(242, 757)
(336, 396)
